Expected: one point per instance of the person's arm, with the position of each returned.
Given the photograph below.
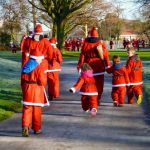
(77, 86)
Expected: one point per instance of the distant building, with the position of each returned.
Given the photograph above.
(128, 35)
(127, 30)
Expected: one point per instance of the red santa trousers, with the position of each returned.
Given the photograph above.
(32, 114)
(118, 94)
(99, 84)
(53, 84)
(134, 90)
(89, 102)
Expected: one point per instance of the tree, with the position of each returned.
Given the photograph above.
(59, 11)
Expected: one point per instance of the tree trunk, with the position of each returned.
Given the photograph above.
(60, 35)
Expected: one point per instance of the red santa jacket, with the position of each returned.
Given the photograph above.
(54, 65)
(86, 84)
(33, 87)
(120, 77)
(89, 54)
(45, 48)
(134, 69)
(25, 49)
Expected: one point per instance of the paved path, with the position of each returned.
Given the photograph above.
(67, 127)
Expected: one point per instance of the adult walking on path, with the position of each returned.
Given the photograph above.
(67, 127)
(95, 53)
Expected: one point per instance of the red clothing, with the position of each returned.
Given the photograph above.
(25, 50)
(34, 96)
(120, 80)
(88, 91)
(33, 86)
(53, 73)
(134, 69)
(89, 54)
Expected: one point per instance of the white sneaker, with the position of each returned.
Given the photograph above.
(93, 112)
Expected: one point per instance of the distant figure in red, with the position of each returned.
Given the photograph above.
(74, 44)
(120, 80)
(124, 43)
(143, 43)
(111, 43)
(134, 70)
(54, 69)
(13, 47)
(86, 84)
(95, 53)
(135, 43)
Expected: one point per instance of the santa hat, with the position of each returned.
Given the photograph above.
(94, 32)
(38, 29)
(53, 42)
(36, 54)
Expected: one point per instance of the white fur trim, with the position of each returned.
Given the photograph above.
(73, 89)
(128, 84)
(27, 54)
(39, 33)
(48, 103)
(54, 70)
(54, 45)
(88, 93)
(34, 104)
(100, 73)
(36, 57)
(137, 83)
(118, 85)
(107, 67)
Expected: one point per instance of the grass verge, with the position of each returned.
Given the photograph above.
(10, 90)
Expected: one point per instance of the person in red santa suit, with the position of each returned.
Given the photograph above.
(88, 90)
(24, 45)
(34, 95)
(134, 68)
(38, 41)
(54, 69)
(95, 53)
(120, 80)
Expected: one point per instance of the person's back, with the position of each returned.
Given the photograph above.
(134, 69)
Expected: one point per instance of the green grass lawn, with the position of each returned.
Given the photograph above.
(10, 90)
(144, 55)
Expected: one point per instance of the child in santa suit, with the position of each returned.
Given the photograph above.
(134, 69)
(86, 84)
(54, 69)
(34, 96)
(120, 80)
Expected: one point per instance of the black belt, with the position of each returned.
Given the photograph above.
(30, 82)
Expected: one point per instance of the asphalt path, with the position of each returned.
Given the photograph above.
(66, 127)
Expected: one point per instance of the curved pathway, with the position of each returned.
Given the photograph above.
(67, 127)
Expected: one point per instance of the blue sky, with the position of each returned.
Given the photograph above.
(131, 10)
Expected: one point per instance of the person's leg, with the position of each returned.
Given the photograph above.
(114, 95)
(99, 85)
(138, 93)
(26, 119)
(130, 95)
(56, 84)
(93, 105)
(85, 102)
(121, 97)
(50, 82)
(36, 119)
